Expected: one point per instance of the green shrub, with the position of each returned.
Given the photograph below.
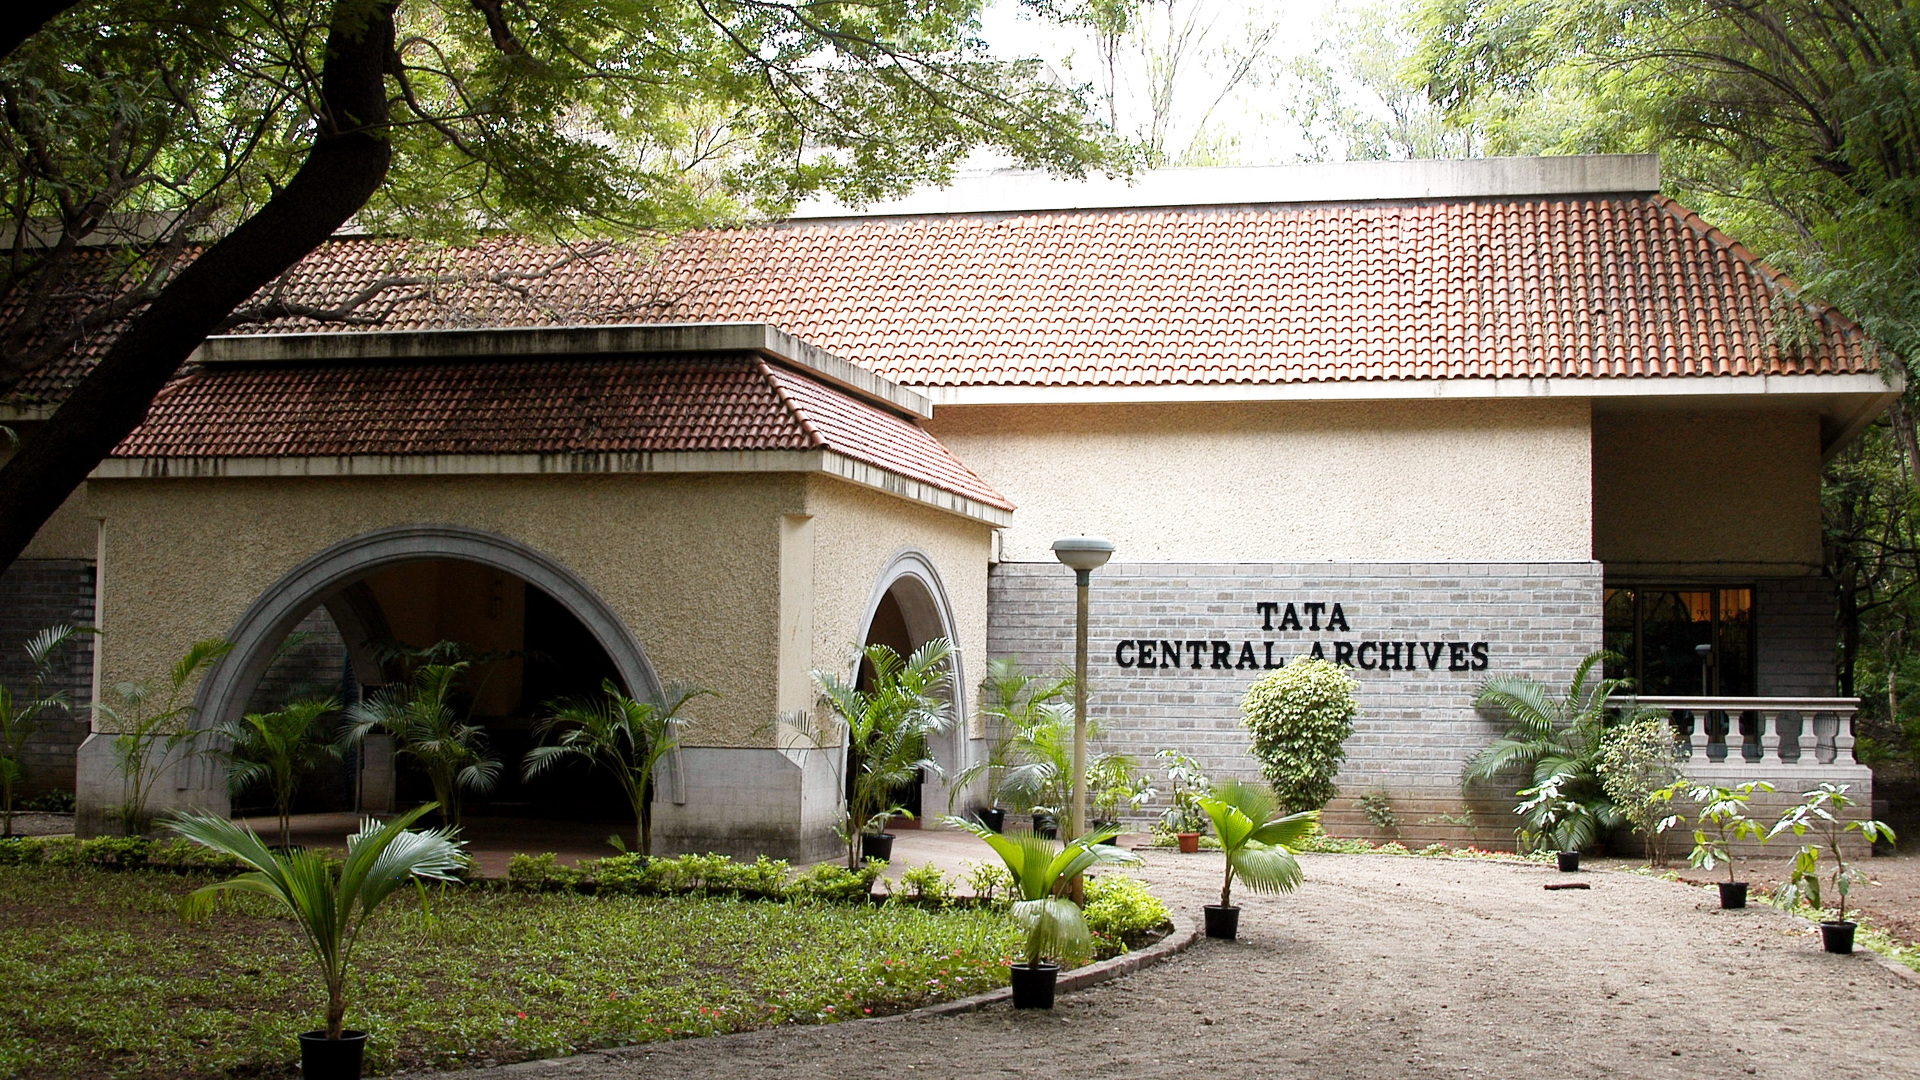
(836, 883)
(51, 802)
(761, 879)
(1637, 767)
(926, 885)
(541, 873)
(114, 853)
(1300, 717)
(1120, 907)
(990, 882)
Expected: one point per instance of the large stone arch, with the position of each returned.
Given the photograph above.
(914, 582)
(327, 578)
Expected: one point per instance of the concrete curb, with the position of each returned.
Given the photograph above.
(1177, 941)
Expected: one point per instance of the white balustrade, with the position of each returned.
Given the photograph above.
(1765, 733)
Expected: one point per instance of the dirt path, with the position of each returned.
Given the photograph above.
(1397, 967)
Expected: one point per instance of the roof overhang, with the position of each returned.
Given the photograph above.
(506, 343)
(825, 462)
(1846, 403)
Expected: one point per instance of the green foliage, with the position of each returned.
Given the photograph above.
(925, 884)
(829, 883)
(430, 732)
(989, 882)
(154, 729)
(114, 853)
(1724, 810)
(1041, 871)
(885, 730)
(626, 736)
(1378, 808)
(541, 874)
(58, 801)
(1638, 765)
(1258, 841)
(1011, 701)
(1117, 786)
(276, 749)
(20, 711)
(495, 976)
(1555, 741)
(330, 903)
(1188, 782)
(1816, 814)
(1119, 907)
(1300, 717)
(692, 875)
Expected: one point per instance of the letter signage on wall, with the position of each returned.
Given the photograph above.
(1300, 629)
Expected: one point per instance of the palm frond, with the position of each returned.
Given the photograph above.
(1266, 867)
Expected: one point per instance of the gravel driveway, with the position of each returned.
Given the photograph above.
(1396, 967)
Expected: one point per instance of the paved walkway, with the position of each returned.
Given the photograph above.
(1392, 967)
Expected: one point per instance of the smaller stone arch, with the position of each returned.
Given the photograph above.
(914, 584)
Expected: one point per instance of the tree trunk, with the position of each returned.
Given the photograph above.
(336, 1005)
(346, 166)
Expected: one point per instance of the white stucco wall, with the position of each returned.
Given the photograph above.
(1501, 480)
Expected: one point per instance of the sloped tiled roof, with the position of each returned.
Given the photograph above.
(569, 406)
(1605, 287)
(1618, 287)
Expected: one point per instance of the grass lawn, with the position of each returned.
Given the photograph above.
(102, 977)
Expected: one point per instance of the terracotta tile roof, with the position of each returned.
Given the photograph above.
(1604, 287)
(702, 402)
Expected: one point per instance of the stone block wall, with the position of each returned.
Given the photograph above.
(36, 594)
(1793, 623)
(1458, 624)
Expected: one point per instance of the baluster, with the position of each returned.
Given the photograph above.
(1843, 739)
(1696, 734)
(1801, 740)
(1769, 721)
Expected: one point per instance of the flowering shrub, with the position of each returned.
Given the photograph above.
(1300, 717)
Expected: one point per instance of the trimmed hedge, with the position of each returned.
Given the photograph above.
(692, 875)
(117, 853)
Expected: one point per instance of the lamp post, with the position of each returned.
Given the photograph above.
(1084, 554)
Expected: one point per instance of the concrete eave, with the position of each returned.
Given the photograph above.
(508, 343)
(24, 414)
(827, 462)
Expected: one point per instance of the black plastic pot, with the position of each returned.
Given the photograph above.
(876, 846)
(1033, 985)
(1837, 937)
(1569, 861)
(1733, 894)
(322, 1058)
(993, 818)
(1099, 824)
(1223, 922)
(1046, 826)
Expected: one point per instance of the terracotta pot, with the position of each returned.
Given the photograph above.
(1189, 843)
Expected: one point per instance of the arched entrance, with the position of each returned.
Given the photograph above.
(539, 631)
(908, 608)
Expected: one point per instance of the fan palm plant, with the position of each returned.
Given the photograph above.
(426, 728)
(885, 730)
(1555, 740)
(331, 904)
(20, 713)
(626, 736)
(1012, 700)
(1257, 840)
(275, 749)
(1042, 870)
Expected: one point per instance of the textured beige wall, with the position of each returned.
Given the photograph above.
(1280, 481)
(857, 532)
(1714, 493)
(689, 563)
(72, 532)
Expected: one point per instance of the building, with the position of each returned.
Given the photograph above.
(1436, 420)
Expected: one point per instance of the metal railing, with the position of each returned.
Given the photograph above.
(1764, 732)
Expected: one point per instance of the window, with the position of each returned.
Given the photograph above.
(1660, 632)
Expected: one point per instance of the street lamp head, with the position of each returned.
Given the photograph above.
(1083, 553)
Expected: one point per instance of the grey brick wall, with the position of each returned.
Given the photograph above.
(1416, 727)
(36, 594)
(1793, 624)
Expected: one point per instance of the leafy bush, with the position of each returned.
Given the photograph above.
(51, 802)
(1120, 907)
(541, 873)
(1637, 771)
(832, 882)
(1300, 717)
(990, 882)
(925, 884)
(114, 853)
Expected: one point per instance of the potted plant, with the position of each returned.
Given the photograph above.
(1724, 810)
(1118, 788)
(1551, 820)
(1012, 700)
(1188, 782)
(275, 749)
(1815, 814)
(1258, 843)
(626, 736)
(426, 729)
(331, 903)
(1056, 930)
(885, 732)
